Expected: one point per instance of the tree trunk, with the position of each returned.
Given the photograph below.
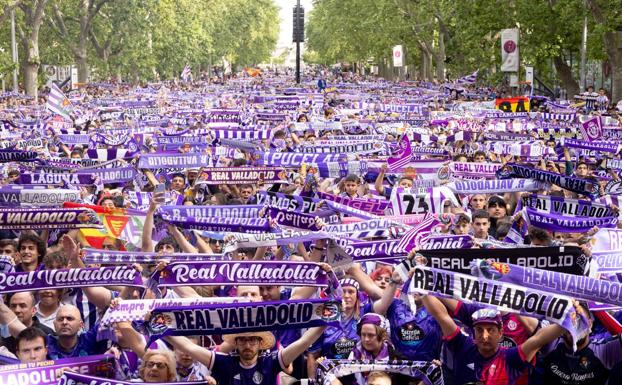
(440, 58)
(30, 45)
(565, 75)
(613, 47)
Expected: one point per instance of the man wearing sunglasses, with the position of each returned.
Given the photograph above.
(249, 366)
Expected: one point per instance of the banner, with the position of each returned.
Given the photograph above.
(242, 317)
(574, 184)
(499, 295)
(285, 237)
(607, 240)
(425, 372)
(567, 259)
(259, 273)
(70, 278)
(595, 145)
(49, 218)
(509, 50)
(241, 175)
(49, 372)
(608, 261)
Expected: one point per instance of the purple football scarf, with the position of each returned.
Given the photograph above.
(471, 169)
(285, 237)
(242, 135)
(301, 220)
(216, 273)
(241, 175)
(592, 129)
(426, 372)
(600, 146)
(369, 226)
(341, 169)
(136, 310)
(233, 211)
(241, 225)
(359, 251)
(242, 317)
(506, 136)
(42, 178)
(69, 278)
(350, 148)
(118, 175)
(435, 241)
(38, 197)
(293, 159)
(73, 378)
(402, 156)
(97, 256)
(565, 223)
(50, 218)
(578, 185)
(373, 206)
(568, 259)
(428, 151)
(17, 156)
(181, 140)
(566, 206)
(608, 261)
(494, 186)
(106, 154)
(156, 161)
(498, 295)
(287, 202)
(48, 372)
(575, 286)
(527, 148)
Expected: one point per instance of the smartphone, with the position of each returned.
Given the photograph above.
(160, 188)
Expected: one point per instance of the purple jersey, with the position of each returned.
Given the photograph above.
(338, 342)
(587, 366)
(227, 370)
(417, 336)
(503, 368)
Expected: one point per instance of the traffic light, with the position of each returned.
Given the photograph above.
(299, 25)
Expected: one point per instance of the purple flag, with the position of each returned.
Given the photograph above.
(402, 156)
(592, 129)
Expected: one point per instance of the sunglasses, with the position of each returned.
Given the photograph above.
(216, 241)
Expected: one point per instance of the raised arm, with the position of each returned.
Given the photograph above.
(198, 353)
(367, 284)
(8, 318)
(538, 340)
(379, 179)
(440, 314)
(290, 353)
(382, 305)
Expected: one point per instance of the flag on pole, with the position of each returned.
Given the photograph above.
(402, 156)
(58, 103)
(185, 74)
(469, 79)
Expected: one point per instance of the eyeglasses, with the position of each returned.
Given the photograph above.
(248, 340)
(216, 241)
(158, 365)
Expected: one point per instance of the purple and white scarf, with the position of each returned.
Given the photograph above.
(472, 169)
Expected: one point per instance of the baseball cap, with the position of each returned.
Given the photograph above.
(487, 316)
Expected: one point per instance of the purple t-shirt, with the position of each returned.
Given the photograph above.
(503, 368)
(417, 336)
(227, 369)
(338, 341)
